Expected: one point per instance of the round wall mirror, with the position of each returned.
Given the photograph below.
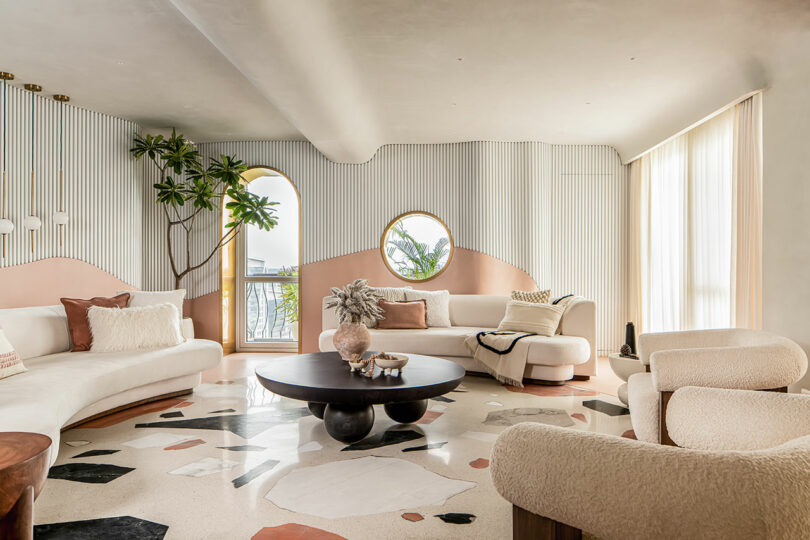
(416, 246)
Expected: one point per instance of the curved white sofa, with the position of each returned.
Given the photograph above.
(726, 358)
(556, 358)
(617, 488)
(61, 388)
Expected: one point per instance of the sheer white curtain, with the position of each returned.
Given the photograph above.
(695, 202)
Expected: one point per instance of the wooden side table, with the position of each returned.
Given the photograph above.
(23, 470)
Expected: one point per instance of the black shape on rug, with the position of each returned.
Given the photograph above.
(254, 472)
(386, 438)
(88, 473)
(120, 528)
(605, 407)
(443, 399)
(222, 411)
(173, 414)
(244, 425)
(91, 453)
(456, 518)
(243, 448)
(425, 447)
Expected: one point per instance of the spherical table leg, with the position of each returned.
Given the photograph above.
(316, 409)
(348, 423)
(406, 412)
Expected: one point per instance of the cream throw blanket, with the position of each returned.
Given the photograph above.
(507, 368)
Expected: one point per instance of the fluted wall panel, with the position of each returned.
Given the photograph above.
(554, 211)
(102, 186)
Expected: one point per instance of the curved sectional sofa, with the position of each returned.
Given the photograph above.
(63, 388)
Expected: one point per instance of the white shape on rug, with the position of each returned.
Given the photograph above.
(76, 443)
(156, 439)
(438, 408)
(311, 446)
(495, 403)
(386, 484)
(204, 467)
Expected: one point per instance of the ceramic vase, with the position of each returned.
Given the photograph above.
(351, 340)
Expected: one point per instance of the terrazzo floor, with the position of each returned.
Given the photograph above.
(233, 460)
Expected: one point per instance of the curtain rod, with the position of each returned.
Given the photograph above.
(696, 124)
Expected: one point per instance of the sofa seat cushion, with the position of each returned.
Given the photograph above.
(642, 398)
(57, 386)
(548, 351)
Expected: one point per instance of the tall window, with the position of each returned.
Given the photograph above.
(267, 270)
(699, 199)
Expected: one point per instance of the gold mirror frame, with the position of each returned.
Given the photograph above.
(412, 213)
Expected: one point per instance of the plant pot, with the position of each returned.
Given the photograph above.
(351, 340)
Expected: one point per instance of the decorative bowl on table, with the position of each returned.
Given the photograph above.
(388, 362)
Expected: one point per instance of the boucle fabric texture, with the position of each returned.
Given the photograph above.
(538, 297)
(392, 294)
(541, 319)
(721, 419)
(437, 303)
(78, 325)
(644, 403)
(152, 298)
(134, 328)
(665, 492)
(10, 361)
(733, 358)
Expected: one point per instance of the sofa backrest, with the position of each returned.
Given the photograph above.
(478, 310)
(36, 331)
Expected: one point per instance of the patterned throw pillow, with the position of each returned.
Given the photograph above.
(10, 361)
(536, 297)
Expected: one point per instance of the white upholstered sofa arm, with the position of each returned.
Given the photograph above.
(721, 419)
(653, 491)
(749, 367)
(688, 339)
(580, 320)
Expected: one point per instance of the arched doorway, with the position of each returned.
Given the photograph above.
(260, 272)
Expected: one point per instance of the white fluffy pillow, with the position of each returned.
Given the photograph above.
(541, 319)
(437, 303)
(152, 298)
(127, 329)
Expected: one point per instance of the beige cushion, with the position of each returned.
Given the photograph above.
(537, 297)
(36, 331)
(437, 303)
(542, 319)
(151, 298)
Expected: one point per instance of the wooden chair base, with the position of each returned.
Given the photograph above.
(529, 526)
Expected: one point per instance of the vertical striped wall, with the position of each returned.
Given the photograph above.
(554, 211)
(102, 186)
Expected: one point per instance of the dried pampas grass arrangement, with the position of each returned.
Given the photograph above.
(355, 303)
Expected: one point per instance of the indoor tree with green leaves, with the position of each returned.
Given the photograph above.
(419, 261)
(186, 188)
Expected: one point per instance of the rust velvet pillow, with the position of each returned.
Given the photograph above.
(403, 315)
(78, 325)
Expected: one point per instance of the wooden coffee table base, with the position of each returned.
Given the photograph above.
(23, 469)
(351, 423)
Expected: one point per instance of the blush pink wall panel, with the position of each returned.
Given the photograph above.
(44, 282)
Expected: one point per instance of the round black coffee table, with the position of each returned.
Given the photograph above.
(344, 400)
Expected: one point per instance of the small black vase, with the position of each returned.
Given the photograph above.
(630, 337)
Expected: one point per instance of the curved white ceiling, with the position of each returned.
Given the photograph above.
(352, 75)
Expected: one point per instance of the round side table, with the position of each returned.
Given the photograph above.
(23, 470)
